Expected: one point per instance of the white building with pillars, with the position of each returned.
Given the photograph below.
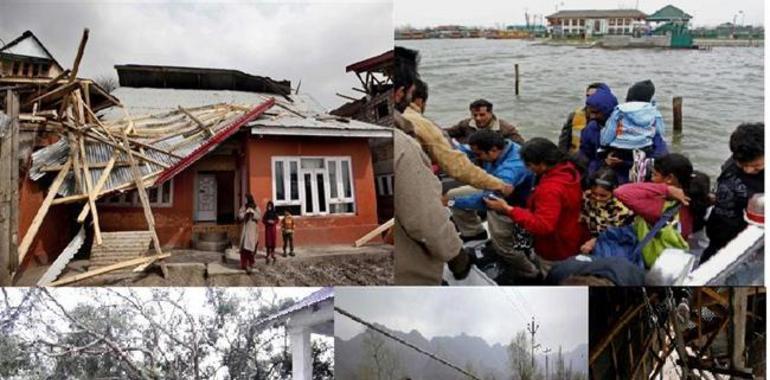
(595, 22)
(313, 314)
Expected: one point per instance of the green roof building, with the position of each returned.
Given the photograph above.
(669, 13)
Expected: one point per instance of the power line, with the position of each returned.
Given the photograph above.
(405, 343)
(516, 308)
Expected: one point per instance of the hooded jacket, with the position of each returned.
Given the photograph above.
(552, 215)
(633, 125)
(508, 167)
(590, 138)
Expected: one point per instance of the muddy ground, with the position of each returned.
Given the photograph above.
(370, 265)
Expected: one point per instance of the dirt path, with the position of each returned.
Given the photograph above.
(373, 266)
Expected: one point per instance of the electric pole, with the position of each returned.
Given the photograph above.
(532, 328)
(546, 351)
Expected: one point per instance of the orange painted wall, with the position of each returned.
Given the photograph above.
(317, 230)
(58, 228)
(173, 224)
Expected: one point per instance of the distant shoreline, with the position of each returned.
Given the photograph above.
(706, 42)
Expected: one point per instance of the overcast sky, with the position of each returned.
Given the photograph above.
(492, 313)
(421, 13)
(312, 41)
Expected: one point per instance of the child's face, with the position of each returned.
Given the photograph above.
(752, 167)
(600, 194)
(657, 177)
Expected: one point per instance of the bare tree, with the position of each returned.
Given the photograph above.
(145, 334)
(521, 358)
(107, 82)
(380, 363)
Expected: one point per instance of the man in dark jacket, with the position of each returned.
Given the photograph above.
(599, 107)
(743, 175)
(482, 117)
(569, 138)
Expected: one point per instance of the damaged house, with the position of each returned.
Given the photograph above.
(167, 159)
(376, 107)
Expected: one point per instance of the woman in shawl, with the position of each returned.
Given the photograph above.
(249, 214)
(271, 222)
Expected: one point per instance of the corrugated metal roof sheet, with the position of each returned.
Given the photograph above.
(188, 148)
(145, 101)
(285, 121)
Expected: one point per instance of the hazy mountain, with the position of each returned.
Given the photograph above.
(469, 352)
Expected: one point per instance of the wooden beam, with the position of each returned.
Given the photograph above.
(109, 268)
(678, 337)
(41, 212)
(148, 179)
(92, 165)
(721, 299)
(143, 197)
(91, 195)
(86, 87)
(738, 307)
(616, 328)
(79, 55)
(200, 124)
(96, 190)
(60, 91)
(645, 349)
(615, 367)
(14, 181)
(9, 195)
(372, 234)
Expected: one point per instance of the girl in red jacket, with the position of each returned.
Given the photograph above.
(673, 178)
(552, 214)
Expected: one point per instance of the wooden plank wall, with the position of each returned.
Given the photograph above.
(9, 191)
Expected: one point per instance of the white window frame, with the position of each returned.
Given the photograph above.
(131, 198)
(329, 200)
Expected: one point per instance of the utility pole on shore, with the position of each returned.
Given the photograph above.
(532, 328)
(546, 351)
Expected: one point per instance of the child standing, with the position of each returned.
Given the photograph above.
(601, 210)
(743, 175)
(287, 231)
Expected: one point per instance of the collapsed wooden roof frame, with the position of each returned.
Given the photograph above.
(732, 300)
(78, 125)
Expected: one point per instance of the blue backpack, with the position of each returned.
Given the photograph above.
(623, 241)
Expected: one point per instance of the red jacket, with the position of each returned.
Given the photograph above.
(552, 215)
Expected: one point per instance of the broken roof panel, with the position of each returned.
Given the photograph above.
(169, 143)
(302, 117)
(380, 63)
(198, 78)
(146, 101)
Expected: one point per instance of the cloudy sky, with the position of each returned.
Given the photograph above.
(312, 40)
(493, 313)
(421, 13)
